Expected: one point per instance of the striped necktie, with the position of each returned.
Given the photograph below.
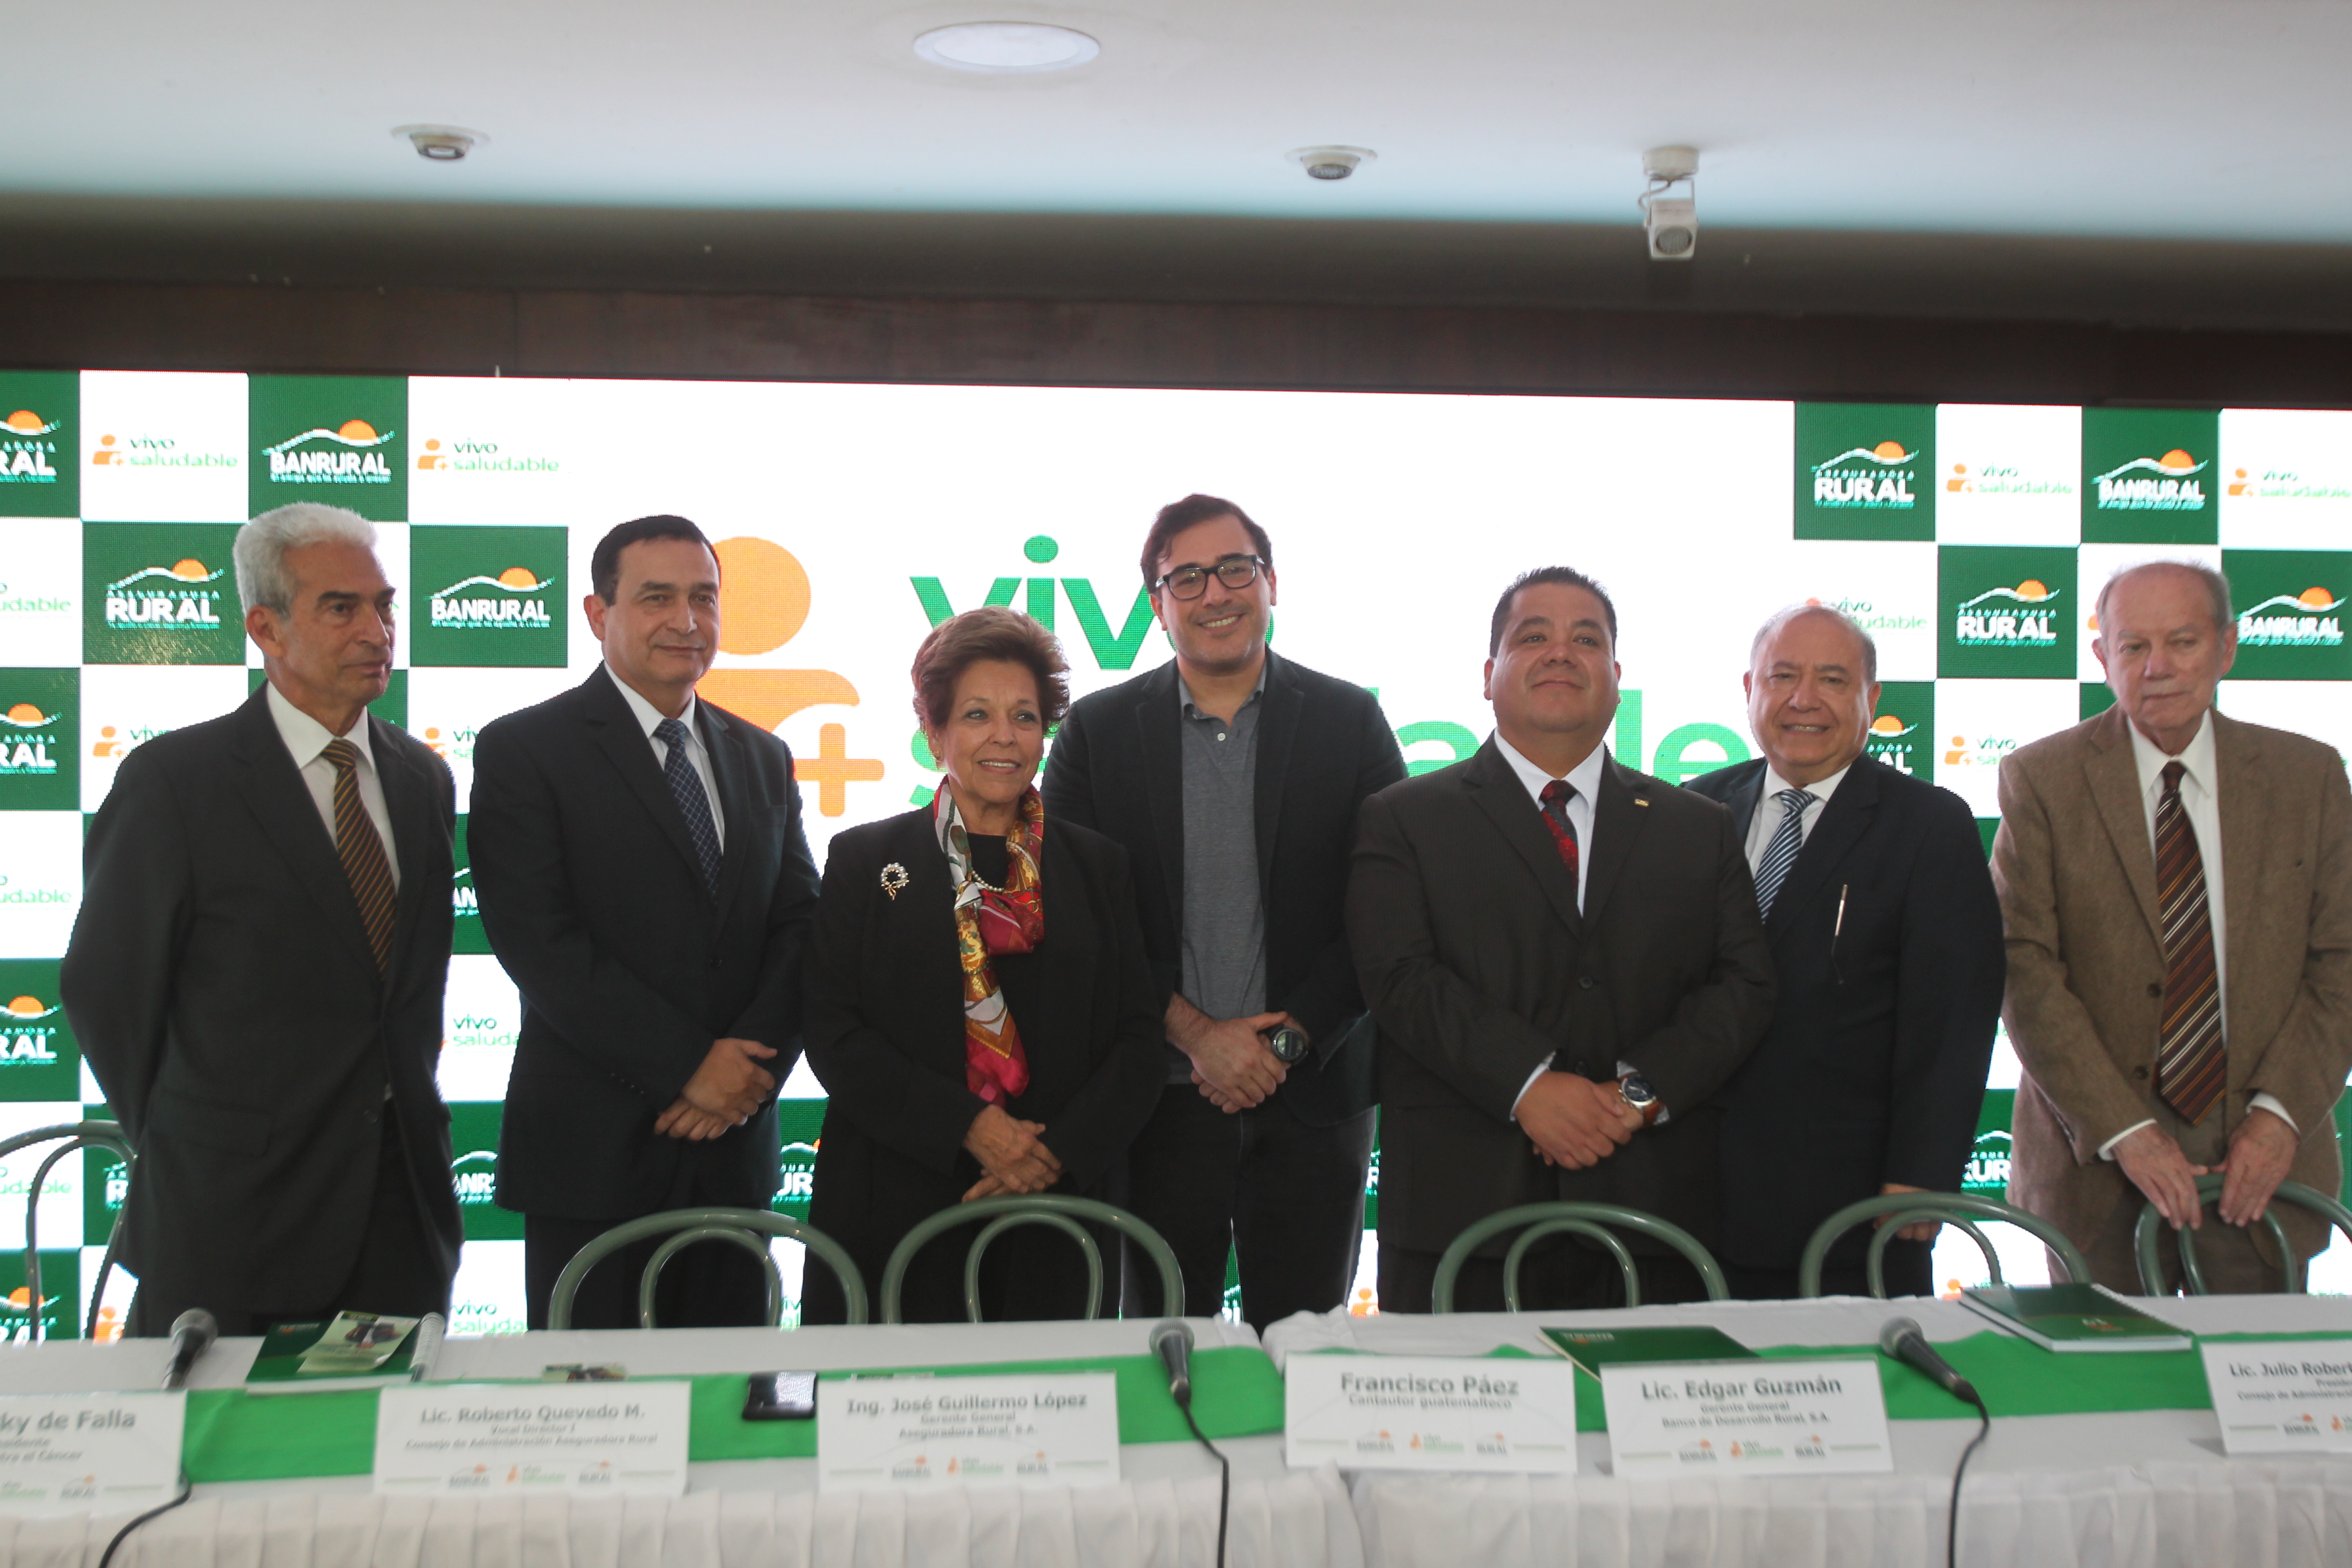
(2190, 1066)
(693, 801)
(1780, 854)
(360, 848)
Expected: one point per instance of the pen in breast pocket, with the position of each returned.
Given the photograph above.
(1837, 928)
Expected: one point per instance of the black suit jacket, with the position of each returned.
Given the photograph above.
(225, 997)
(1323, 747)
(592, 899)
(1479, 966)
(1874, 1066)
(885, 1032)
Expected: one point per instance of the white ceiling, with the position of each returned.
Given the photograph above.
(2147, 119)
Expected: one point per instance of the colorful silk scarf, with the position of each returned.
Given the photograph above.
(1011, 919)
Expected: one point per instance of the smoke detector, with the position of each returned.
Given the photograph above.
(1670, 220)
(1332, 163)
(440, 144)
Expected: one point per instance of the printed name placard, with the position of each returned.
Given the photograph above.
(919, 1433)
(89, 1453)
(2283, 1396)
(1747, 1417)
(482, 1439)
(1430, 1413)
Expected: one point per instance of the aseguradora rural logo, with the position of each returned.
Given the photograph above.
(2005, 612)
(39, 477)
(1902, 733)
(333, 438)
(492, 596)
(158, 593)
(1863, 471)
(40, 750)
(2147, 477)
(37, 1058)
(2291, 613)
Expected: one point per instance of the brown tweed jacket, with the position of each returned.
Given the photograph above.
(2078, 884)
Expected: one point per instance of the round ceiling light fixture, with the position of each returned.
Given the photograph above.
(1007, 49)
(440, 144)
(1332, 163)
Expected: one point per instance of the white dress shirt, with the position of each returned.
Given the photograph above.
(1767, 820)
(2200, 799)
(306, 742)
(1585, 779)
(648, 717)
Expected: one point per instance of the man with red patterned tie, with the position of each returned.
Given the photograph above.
(2177, 890)
(1566, 964)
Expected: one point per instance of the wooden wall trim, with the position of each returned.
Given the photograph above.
(695, 336)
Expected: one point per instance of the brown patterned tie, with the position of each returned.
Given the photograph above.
(2190, 1064)
(360, 848)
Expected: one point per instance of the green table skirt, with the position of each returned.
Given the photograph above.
(232, 1435)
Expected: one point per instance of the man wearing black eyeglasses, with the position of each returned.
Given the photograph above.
(1231, 776)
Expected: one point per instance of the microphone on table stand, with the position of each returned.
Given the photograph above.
(1902, 1340)
(192, 1333)
(1171, 1342)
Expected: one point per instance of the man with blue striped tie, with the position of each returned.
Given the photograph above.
(1888, 940)
(644, 879)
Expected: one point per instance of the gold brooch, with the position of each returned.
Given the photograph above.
(894, 876)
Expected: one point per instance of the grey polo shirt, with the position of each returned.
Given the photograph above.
(1224, 920)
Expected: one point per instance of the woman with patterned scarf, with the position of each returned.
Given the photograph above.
(979, 1008)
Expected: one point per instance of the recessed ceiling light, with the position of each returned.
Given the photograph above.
(1006, 48)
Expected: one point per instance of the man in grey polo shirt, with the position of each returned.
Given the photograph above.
(1231, 776)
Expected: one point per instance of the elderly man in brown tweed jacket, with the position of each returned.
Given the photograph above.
(2177, 887)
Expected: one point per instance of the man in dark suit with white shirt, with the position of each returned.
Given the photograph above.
(1886, 936)
(644, 879)
(256, 974)
(1566, 964)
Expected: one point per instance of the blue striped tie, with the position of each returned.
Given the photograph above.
(686, 784)
(1781, 853)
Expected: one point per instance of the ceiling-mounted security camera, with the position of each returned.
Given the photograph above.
(1332, 163)
(1670, 222)
(440, 144)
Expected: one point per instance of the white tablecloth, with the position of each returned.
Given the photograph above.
(736, 1514)
(2148, 1489)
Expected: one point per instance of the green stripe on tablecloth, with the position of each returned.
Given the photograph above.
(236, 1437)
(2016, 1376)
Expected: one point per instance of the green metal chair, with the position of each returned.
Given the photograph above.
(1063, 1214)
(2152, 1226)
(77, 1135)
(1957, 1209)
(1576, 1219)
(751, 1229)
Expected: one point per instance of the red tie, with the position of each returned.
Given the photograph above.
(1556, 796)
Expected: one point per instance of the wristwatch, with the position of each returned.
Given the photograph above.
(1288, 1043)
(1636, 1091)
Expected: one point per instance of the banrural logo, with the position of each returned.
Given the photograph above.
(28, 448)
(351, 453)
(477, 458)
(2307, 620)
(2008, 618)
(153, 452)
(514, 600)
(1987, 1172)
(1864, 470)
(475, 1175)
(2168, 483)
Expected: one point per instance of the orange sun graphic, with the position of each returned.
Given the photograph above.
(2317, 598)
(516, 577)
(357, 430)
(1887, 725)
(27, 1007)
(189, 568)
(2176, 460)
(2032, 588)
(24, 420)
(1891, 451)
(26, 713)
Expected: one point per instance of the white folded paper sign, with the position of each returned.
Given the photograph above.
(1759, 1417)
(2282, 1396)
(1008, 1429)
(89, 1453)
(1430, 1413)
(488, 1439)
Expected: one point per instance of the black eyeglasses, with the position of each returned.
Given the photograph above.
(1236, 571)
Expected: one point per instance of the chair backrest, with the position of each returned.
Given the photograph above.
(751, 1229)
(2152, 1226)
(76, 1135)
(1592, 1220)
(1068, 1215)
(1908, 1208)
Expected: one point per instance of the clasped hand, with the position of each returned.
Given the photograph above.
(1574, 1121)
(1231, 1064)
(1011, 1153)
(725, 1091)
